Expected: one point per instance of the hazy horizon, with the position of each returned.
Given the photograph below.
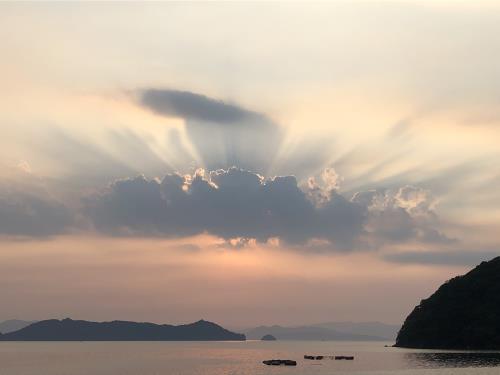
(245, 163)
(230, 327)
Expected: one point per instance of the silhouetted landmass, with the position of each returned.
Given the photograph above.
(81, 330)
(464, 313)
(268, 338)
(13, 325)
(306, 333)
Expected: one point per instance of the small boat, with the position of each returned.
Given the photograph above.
(344, 357)
(280, 362)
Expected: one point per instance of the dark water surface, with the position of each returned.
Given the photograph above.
(233, 358)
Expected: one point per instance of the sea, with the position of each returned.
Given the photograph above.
(234, 358)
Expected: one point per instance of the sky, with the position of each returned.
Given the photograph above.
(245, 163)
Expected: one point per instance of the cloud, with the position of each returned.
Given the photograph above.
(222, 134)
(26, 208)
(238, 205)
(196, 107)
(31, 216)
(401, 214)
(442, 258)
(232, 203)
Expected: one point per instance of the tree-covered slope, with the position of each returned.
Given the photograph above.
(464, 313)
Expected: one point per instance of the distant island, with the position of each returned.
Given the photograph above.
(328, 331)
(268, 338)
(81, 330)
(464, 313)
(307, 333)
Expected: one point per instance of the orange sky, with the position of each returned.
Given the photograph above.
(172, 281)
(398, 102)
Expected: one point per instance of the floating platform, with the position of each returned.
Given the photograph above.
(315, 357)
(344, 357)
(280, 362)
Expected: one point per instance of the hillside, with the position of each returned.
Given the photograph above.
(464, 313)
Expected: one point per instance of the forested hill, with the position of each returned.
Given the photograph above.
(464, 313)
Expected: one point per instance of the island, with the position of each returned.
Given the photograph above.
(81, 330)
(464, 313)
(307, 333)
(268, 338)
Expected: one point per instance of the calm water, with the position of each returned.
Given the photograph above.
(232, 358)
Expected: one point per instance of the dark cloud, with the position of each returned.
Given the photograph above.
(236, 205)
(222, 134)
(196, 107)
(28, 207)
(230, 204)
(31, 216)
(242, 205)
(442, 258)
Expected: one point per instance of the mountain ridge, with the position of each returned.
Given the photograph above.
(117, 330)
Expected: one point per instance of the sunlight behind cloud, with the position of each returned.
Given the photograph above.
(347, 149)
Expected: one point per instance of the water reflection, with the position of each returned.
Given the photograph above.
(453, 359)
